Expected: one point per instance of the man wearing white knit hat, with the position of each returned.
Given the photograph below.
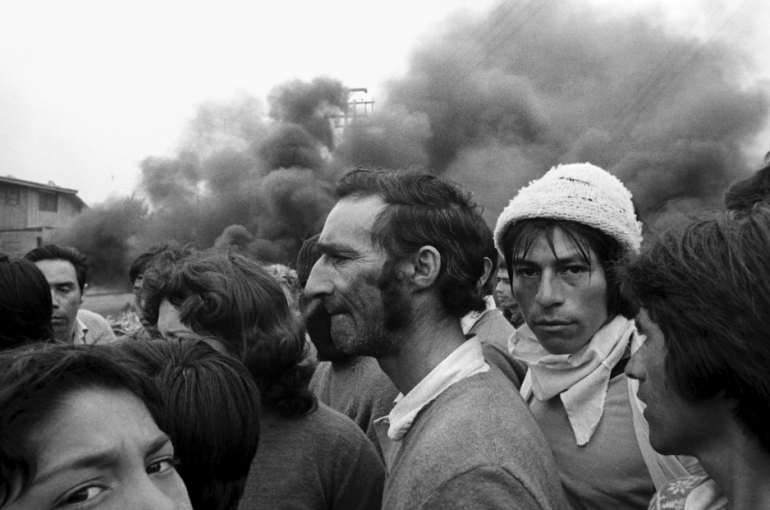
(560, 236)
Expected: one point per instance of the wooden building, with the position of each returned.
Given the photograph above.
(30, 213)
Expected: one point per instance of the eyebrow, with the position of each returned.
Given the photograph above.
(334, 248)
(101, 460)
(573, 259)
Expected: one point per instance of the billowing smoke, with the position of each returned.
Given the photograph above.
(492, 103)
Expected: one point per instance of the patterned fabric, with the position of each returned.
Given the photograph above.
(690, 493)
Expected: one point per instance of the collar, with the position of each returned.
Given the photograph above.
(79, 334)
(472, 318)
(581, 379)
(465, 361)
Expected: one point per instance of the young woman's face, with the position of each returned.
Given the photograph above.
(102, 449)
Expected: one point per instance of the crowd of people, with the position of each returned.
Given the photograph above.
(412, 358)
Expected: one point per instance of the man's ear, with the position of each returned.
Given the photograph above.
(488, 268)
(427, 265)
(83, 294)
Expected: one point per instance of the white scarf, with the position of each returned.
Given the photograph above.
(581, 379)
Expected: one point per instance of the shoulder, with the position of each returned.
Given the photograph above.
(99, 330)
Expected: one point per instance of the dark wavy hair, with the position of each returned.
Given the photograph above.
(35, 381)
(72, 255)
(233, 298)
(743, 195)
(707, 287)
(25, 304)
(210, 411)
(517, 239)
(424, 209)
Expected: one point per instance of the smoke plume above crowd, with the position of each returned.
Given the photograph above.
(490, 102)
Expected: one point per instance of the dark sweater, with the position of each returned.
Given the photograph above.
(475, 446)
(357, 388)
(317, 461)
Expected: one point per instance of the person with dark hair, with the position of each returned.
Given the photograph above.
(504, 296)
(704, 289)
(490, 325)
(353, 385)
(25, 304)
(210, 411)
(79, 430)
(66, 270)
(561, 237)
(743, 195)
(136, 273)
(401, 260)
(310, 456)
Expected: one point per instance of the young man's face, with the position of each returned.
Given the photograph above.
(503, 294)
(562, 297)
(677, 426)
(365, 309)
(65, 294)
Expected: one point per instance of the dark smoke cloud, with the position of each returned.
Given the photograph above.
(492, 103)
(507, 97)
(308, 105)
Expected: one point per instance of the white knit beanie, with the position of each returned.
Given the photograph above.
(579, 192)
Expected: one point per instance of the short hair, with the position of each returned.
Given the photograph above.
(25, 304)
(743, 195)
(55, 252)
(234, 299)
(490, 252)
(34, 383)
(707, 287)
(145, 259)
(210, 411)
(518, 238)
(424, 209)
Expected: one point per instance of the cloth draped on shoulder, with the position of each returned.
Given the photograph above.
(581, 381)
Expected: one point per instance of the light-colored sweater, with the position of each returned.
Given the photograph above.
(475, 446)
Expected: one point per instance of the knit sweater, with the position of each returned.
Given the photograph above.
(357, 388)
(475, 446)
(319, 461)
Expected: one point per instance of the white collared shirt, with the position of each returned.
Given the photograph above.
(465, 361)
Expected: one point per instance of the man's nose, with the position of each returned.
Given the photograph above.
(550, 292)
(318, 283)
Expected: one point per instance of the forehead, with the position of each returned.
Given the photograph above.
(554, 244)
(169, 320)
(57, 270)
(90, 421)
(351, 220)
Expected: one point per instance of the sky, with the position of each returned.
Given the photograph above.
(88, 89)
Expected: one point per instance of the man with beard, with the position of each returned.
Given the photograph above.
(401, 258)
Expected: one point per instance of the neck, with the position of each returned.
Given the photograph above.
(66, 334)
(740, 467)
(425, 345)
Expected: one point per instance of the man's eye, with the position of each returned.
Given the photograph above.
(574, 270)
(162, 465)
(526, 272)
(82, 495)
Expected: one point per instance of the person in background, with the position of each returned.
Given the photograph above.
(401, 260)
(704, 289)
(561, 237)
(25, 304)
(78, 430)
(504, 296)
(352, 385)
(66, 270)
(490, 325)
(309, 455)
(210, 412)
